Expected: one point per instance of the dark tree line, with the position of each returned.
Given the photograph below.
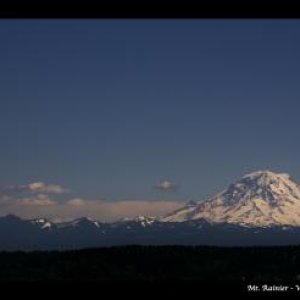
(150, 263)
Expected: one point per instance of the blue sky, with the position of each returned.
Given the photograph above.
(108, 108)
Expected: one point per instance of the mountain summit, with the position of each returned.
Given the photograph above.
(261, 198)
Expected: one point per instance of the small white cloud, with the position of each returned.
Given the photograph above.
(38, 200)
(166, 185)
(34, 187)
(41, 187)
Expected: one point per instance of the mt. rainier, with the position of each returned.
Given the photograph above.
(258, 199)
(260, 209)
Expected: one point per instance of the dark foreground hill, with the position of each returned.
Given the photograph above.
(154, 263)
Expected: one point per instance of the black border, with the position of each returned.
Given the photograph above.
(149, 9)
(119, 9)
(134, 290)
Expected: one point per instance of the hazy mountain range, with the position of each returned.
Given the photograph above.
(262, 208)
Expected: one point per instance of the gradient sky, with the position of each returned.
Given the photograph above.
(108, 108)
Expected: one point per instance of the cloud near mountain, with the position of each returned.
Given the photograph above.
(166, 185)
(35, 187)
(42, 187)
(40, 200)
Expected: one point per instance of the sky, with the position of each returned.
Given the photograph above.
(134, 116)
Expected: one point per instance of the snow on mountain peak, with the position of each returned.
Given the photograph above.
(42, 223)
(269, 186)
(144, 220)
(258, 199)
(266, 176)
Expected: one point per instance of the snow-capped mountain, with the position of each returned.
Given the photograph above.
(42, 223)
(261, 198)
